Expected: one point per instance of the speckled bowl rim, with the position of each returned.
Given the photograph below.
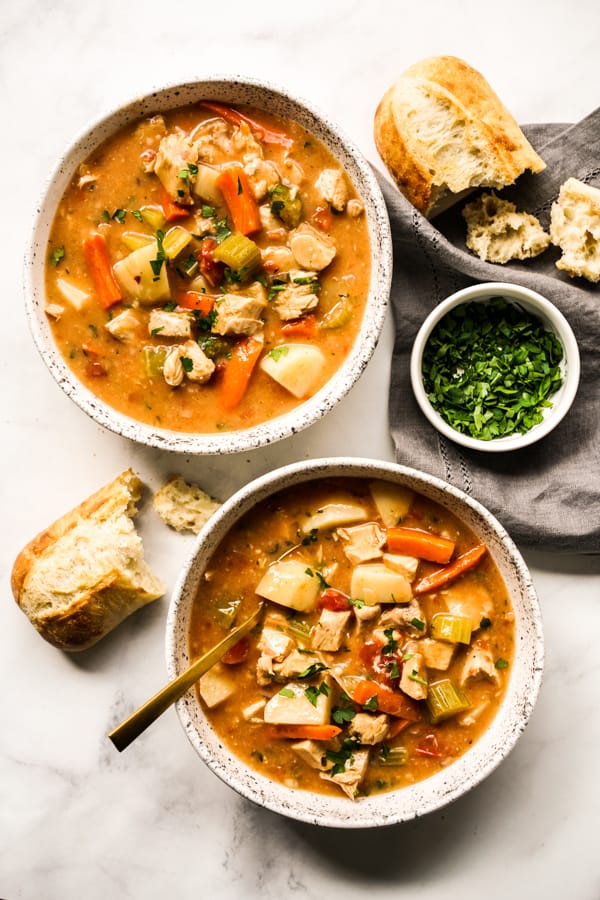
(552, 319)
(426, 796)
(228, 89)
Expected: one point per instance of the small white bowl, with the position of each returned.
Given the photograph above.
(229, 90)
(551, 318)
(425, 796)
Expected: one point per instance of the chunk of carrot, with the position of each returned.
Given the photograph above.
(260, 131)
(239, 197)
(107, 289)
(305, 327)
(238, 371)
(306, 732)
(171, 209)
(458, 567)
(416, 542)
(388, 701)
(204, 303)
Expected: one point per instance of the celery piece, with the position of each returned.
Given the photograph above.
(214, 346)
(445, 699)
(153, 216)
(394, 756)
(454, 629)
(339, 314)
(285, 206)
(239, 253)
(154, 360)
(227, 610)
(133, 240)
(175, 240)
(298, 629)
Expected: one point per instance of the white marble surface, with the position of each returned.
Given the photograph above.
(78, 820)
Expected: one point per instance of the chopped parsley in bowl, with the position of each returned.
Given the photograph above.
(495, 367)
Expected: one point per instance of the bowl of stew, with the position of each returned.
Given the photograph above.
(398, 655)
(210, 266)
(495, 367)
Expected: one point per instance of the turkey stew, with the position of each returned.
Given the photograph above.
(207, 268)
(385, 645)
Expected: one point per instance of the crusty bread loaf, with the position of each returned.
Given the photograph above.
(85, 573)
(441, 130)
(498, 233)
(184, 506)
(575, 228)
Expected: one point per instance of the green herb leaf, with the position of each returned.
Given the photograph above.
(312, 670)
(286, 692)
(57, 255)
(187, 363)
(277, 352)
(501, 663)
(372, 703)
(342, 714)
(417, 623)
(485, 622)
(119, 215)
(490, 368)
(207, 211)
(358, 603)
(392, 643)
(311, 537)
(137, 215)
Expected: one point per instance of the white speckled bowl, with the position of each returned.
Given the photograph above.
(552, 320)
(230, 90)
(409, 802)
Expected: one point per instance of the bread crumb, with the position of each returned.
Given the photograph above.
(496, 232)
(184, 506)
(575, 228)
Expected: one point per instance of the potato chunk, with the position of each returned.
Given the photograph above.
(338, 510)
(296, 367)
(291, 706)
(138, 280)
(216, 686)
(375, 583)
(393, 501)
(289, 583)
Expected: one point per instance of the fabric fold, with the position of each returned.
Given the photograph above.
(548, 494)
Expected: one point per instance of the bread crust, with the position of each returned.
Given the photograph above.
(78, 622)
(480, 144)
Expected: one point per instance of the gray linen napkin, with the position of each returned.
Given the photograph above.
(547, 495)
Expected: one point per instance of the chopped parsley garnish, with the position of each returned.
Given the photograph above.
(393, 670)
(358, 603)
(208, 212)
(157, 264)
(277, 352)
(170, 306)
(286, 692)
(57, 255)
(119, 215)
(137, 215)
(501, 663)
(372, 703)
(312, 670)
(324, 583)
(311, 537)
(392, 643)
(187, 363)
(205, 323)
(342, 714)
(222, 230)
(340, 757)
(413, 676)
(240, 189)
(186, 174)
(312, 693)
(485, 622)
(490, 368)
(156, 331)
(417, 623)
(275, 288)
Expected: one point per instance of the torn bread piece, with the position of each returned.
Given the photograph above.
(575, 228)
(184, 506)
(496, 232)
(86, 573)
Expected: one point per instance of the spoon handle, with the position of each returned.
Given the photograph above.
(123, 735)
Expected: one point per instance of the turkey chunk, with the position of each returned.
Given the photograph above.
(413, 680)
(311, 248)
(275, 644)
(201, 367)
(354, 771)
(175, 153)
(313, 754)
(298, 297)
(125, 326)
(362, 542)
(329, 631)
(409, 619)
(333, 188)
(169, 324)
(239, 314)
(262, 176)
(479, 664)
(369, 729)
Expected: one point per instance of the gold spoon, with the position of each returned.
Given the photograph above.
(137, 722)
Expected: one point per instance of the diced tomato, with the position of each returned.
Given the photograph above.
(238, 653)
(95, 369)
(334, 600)
(387, 666)
(209, 267)
(322, 218)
